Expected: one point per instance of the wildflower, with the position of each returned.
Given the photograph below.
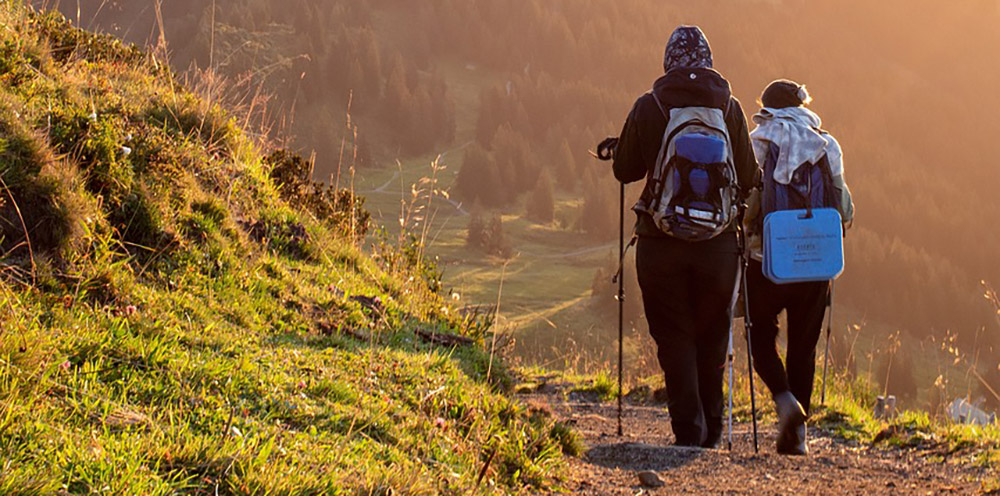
(440, 423)
(130, 310)
(65, 365)
(126, 151)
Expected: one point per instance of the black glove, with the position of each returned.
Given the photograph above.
(606, 150)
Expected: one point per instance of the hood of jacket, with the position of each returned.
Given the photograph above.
(693, 87)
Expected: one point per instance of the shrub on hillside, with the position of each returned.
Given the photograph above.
(41, 208)
(282, 232)
(340, 209)
(66, 42)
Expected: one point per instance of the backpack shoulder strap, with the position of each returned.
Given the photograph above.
(659, 105)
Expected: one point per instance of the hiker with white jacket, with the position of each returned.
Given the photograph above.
(798, 157)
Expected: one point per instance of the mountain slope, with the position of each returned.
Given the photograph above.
(184, 313)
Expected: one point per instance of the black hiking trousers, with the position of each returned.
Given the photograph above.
(805, 304)
(689, 291)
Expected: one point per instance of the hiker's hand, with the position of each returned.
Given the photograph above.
(606, 150)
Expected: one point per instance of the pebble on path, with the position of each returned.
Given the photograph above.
(650, 479)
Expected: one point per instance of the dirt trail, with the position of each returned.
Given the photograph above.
(610, 464)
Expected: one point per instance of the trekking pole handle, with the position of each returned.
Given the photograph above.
(606, 149)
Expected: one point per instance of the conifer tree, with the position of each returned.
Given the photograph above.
(493, 191)
(475, 233)
(491, 115)
(565, 167)
(496, 240)
(541, 204)
(397, 93)
(470, 176)
(370, 58)
(598, 214)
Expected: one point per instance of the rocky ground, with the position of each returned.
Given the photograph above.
(611, 464)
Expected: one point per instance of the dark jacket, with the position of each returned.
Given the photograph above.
(640, 140)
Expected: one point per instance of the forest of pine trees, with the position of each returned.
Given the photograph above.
(318, 58)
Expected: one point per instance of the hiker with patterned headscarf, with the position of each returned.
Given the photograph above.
(688, 287)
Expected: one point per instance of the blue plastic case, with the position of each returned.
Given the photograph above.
(800, 248)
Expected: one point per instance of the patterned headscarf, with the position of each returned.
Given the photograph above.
(688, 47)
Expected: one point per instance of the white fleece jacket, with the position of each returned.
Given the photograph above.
(798, 134)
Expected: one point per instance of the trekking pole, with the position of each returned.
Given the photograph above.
(605, 152)
(730, 388)
(747, 321)
(829, 330)
(621, 298)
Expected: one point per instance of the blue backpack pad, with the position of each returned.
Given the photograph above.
(800, 248)
(701, 148)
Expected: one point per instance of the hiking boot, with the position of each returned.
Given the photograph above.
(794, 442)
(791, 424)
(713, 440)
(714, 433)
(686, 443)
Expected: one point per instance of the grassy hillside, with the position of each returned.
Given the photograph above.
(185, 313)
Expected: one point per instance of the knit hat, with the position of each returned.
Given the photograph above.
(784, 93)
(688, 47)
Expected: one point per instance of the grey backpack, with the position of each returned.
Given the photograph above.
(694, 186)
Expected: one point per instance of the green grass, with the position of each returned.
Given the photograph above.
(177, 327)
(192, 391)
(603, 385)
(849, 413)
